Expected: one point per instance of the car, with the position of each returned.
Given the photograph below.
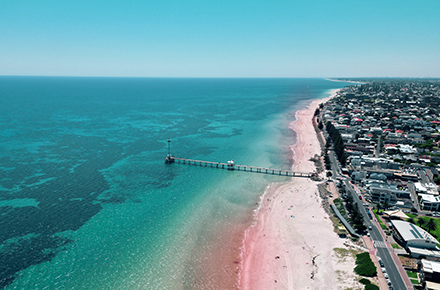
(386, 276)
(380, 261)
(383, 270)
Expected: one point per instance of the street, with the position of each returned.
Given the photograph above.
(375, 234)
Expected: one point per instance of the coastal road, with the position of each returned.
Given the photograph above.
(334, 163)
(382, 250)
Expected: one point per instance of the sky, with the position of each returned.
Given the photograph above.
(223, 38)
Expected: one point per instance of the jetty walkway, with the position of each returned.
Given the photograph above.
(230, 165)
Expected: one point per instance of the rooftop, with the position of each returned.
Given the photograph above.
(411, 232)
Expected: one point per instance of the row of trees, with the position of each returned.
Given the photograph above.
(338, 143)
(356, 219)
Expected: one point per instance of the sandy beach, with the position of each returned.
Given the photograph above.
(291, 245)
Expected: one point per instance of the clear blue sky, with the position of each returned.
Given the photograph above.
(223, 38)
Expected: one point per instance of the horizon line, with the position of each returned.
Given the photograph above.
(220, 77)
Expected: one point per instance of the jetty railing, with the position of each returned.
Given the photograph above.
(233, 166)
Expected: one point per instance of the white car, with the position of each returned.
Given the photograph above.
(383, 270)
(386, 276)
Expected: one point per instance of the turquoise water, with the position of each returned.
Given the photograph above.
(87, 202)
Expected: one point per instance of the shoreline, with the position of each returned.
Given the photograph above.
(280, 251)
(340, 81)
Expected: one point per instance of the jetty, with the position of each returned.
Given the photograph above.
(230, 165)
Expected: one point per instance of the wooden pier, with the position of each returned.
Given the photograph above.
(232, 166)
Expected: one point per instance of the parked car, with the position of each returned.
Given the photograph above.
(380, 261)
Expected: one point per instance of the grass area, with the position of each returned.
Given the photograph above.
(411, 215)
(371, 287)
(380, 221)
(365, 267)
(411, 274)
(435, 233)
(395, 246)
(413, 281)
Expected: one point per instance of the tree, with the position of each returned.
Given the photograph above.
(385, 204)
(411, 220)
(316, 112)
(421, 222)
(378, 207)
(431, 225)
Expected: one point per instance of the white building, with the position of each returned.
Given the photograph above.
(415, 239)
(420, 188)
(431, 270)
(429, 201)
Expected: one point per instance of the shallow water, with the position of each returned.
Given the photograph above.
(87, 202)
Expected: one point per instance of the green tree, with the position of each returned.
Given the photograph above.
(378, 207)
(431, 225)
(411, 220)
(316, 112)
(421, 222)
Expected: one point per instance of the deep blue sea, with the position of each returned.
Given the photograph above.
(87, 202)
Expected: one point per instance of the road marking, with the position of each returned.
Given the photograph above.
(380, 244)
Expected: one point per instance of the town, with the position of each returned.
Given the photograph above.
(381, 143)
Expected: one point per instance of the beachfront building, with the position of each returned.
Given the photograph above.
(429, 201)
(430, 273)
(419, 188)
(381, 192)
(417, 241)
(358, 175)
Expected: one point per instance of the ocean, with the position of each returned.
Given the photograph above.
(87, 202)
